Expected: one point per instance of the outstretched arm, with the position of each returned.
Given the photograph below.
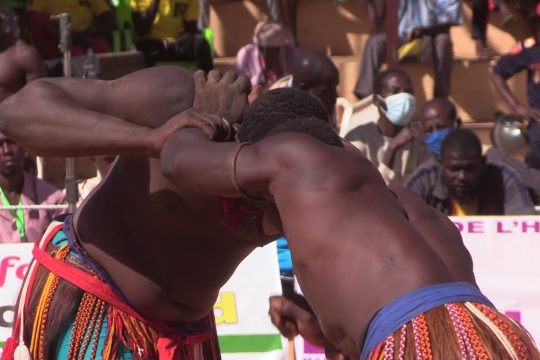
(74, 117)
(47, 119)
(522, 110)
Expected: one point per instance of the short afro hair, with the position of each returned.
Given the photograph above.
(461, 142)
(380, 77)
(276, 107)
(313, 127)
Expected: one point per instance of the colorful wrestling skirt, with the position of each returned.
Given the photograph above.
(446, 321)
(72, 310)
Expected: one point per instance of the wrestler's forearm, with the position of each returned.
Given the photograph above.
(47, 123)
(193, 162)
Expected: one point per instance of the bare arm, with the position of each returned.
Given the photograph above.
(46, 119)
(523, 110)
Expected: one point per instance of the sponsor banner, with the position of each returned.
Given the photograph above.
(505, 252)
(241, 310)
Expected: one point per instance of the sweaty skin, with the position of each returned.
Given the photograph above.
(166, 248)
(441, 234)
(353, 247)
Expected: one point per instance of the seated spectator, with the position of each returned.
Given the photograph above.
(419, 24)
(525, 56)
(102, 164)
(270, 57)
(439, 117)
(464, 183)
(18, 187)
(92, 22)
(19, 62)
(168, 31)
(393, 146)
(317, 74)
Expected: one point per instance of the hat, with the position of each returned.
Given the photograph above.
(270, 34)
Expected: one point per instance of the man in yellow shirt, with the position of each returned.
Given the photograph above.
(168, 31)
(92, 23)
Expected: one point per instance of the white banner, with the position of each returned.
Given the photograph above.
(244, 327)
(505, 252)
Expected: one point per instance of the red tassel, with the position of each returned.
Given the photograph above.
(9, 349)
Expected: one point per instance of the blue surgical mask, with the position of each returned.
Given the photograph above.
(434, 140)
(400, 108)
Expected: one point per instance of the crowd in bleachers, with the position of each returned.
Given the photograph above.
(445, 165)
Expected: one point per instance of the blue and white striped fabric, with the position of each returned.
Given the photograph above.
(427, 13)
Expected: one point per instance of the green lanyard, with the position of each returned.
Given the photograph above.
(17, 214)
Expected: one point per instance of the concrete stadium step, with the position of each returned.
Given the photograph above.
(337, 28)
(340, 29)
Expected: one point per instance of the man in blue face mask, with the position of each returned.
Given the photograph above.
(394, 147)
(438, 118)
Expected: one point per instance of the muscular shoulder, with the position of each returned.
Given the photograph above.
(23, 51)
(302, 159)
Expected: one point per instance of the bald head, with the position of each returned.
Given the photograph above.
(438, 114)
(316, 73)
(314, 68)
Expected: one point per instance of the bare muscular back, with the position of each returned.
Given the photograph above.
(350, 239)
(349, 236)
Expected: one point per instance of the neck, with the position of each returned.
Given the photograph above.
(12, 184)
(386, 128)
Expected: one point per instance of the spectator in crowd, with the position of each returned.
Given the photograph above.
(92, 24)
(19, 62)
(390, 143)
(464, 183)
(423, 31)
(269, 57)
(18, 187)
(317, 74)
(102, 164)
(525, 55)
(168, 31)
(439, 117)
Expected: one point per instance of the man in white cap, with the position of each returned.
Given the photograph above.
(270, 57)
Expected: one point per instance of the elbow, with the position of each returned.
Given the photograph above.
(20, 106)
(169, 163)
